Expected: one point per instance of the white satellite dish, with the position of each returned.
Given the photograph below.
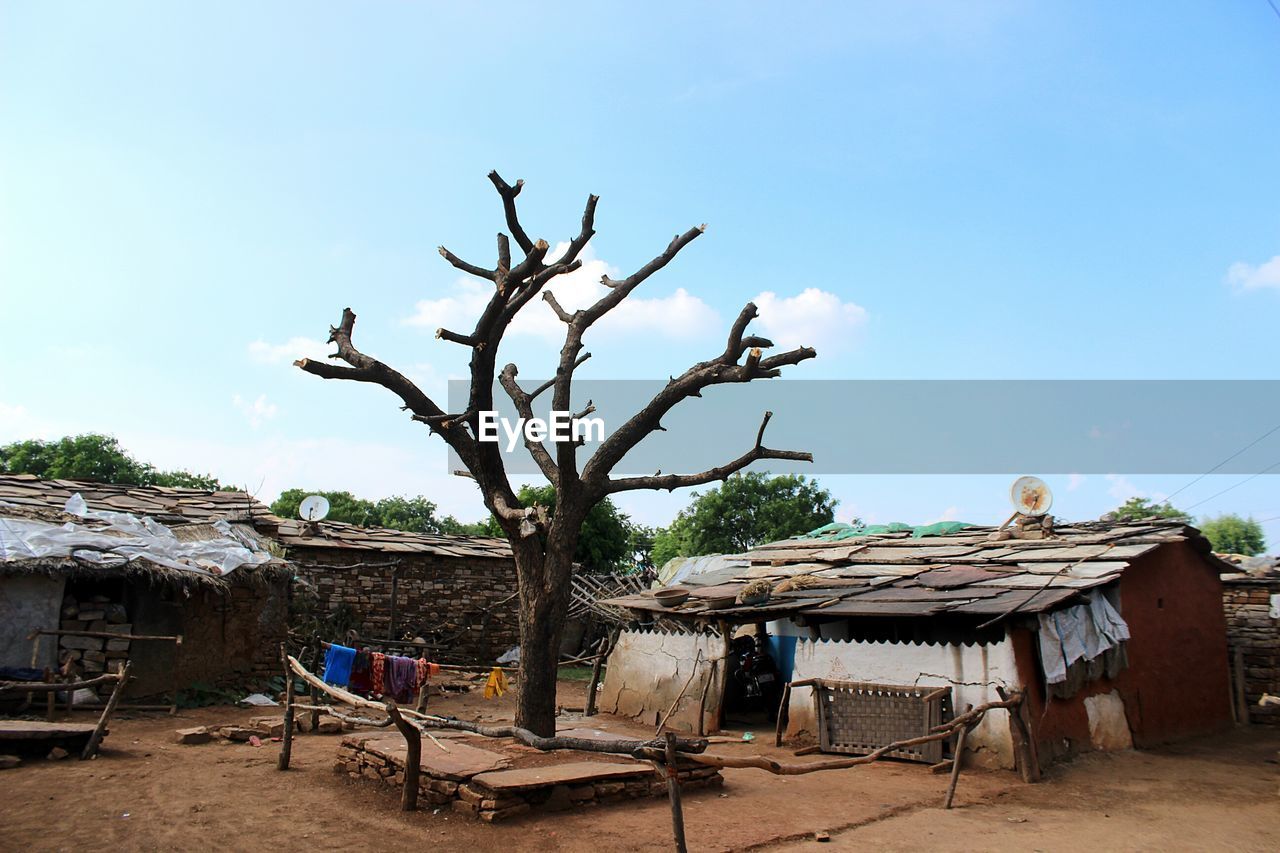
(313, 508)
(1031, 496)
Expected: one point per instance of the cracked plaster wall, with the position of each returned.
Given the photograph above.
(648, 669)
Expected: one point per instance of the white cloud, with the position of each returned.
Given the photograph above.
(814, 318)
(951, 513)
(256, 412)
(1075, 481)
(1243, 276)
(679, 315)
(289, 351)
(1121, 489)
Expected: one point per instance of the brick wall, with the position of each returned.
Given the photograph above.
(1251, 628)
(442, 599)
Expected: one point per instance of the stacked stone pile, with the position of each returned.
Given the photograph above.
(94, 655)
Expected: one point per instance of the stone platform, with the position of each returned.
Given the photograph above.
(500, 778)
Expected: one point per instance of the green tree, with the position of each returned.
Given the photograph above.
(95, 458)
(1231, 534)
(416, 514)
(745, 511)
(343, 506)
(1136, 509)
(605, 542)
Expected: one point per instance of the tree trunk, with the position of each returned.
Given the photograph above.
(544, 601)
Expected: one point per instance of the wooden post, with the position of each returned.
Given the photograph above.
(95, 739)
(1024, 745)
(1237, 665)
(702, 703)
(784, 715)
(955, 764)
(51, 697)
(412, 759)
(286, 737)
(673, 790)
(594, 686)
(315, 691)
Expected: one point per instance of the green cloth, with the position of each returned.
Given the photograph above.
(838, 531)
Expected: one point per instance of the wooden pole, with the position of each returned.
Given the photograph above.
(286, 737)
(412, 759)
(1024, 745)
(1237, 665)
(702, 702)
(314, 691)
(51, 697)
(593, 686)
(100, 730)
(673, 790)
(956, 760)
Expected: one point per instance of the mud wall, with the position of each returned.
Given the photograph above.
(28, 603)
(648, 670)
(1176, 683)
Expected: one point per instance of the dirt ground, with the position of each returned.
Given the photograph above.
(147, 793)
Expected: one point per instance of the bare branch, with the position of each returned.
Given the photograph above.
(509, 194)
(577, 244)
(545, 385)
(524, 406)
(619, 290)
(453, 337)
(733, 351)
(678, 481)
(550, 299)
(364, 368)
(471, 269)
(504, 254)
(532, 262)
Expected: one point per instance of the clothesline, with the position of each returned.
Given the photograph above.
(451, 667)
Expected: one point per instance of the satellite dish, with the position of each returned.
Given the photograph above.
(1031, 496)
(313, 508)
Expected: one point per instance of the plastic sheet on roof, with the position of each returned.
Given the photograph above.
(117, 538)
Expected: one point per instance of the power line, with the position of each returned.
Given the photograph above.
(1266, 434)
(1274, 7)
(1229, 488)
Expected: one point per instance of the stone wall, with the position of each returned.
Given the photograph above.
(465, 608)
(1252, 629)
(230, 638)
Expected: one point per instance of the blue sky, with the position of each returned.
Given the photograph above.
(189, 196)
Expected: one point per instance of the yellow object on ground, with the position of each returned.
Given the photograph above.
(497, 683)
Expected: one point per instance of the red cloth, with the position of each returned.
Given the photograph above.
(378, 665)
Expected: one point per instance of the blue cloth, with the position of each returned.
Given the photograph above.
(337, 664)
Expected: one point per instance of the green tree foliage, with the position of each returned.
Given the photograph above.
(746, 510)
(605, 543)
(417, 514)
(95, 458)
(1136, 509)
(1231, 534)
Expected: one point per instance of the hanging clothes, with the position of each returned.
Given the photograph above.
(497, 683)
(400, 678)
(337, 664)
(377, 673)
(362, 673)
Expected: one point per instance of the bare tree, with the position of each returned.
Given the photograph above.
(543, 544)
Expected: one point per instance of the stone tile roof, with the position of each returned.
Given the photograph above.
(24, 494)
(893, 574)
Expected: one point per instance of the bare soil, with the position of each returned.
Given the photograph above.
(146, 792)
